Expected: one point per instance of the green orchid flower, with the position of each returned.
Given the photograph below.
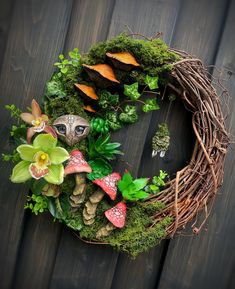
(40, 160)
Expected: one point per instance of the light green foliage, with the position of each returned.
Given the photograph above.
(157, 183)
(132, 91)
(102, 148)
(129, 114)
(107, 99)
(14, 157)
(99, 125)
(132, 190)
(112, 120)
(151, 81)
(15, 112)
(37, 204)
(55, 88)
(150, 104)
(65, 64)
(100, 168)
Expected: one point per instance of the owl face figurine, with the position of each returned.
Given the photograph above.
(71, 128)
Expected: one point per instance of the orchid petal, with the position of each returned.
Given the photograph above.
(37, 172)
(55, 175)
(50, 130)
(20, 173)
(30, 133)
(45, 142)
(58, 155)
(27, 152)
(44, 117)
(27, 117)
(36, 111)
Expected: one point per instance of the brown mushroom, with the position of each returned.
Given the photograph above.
(87, 92)
(123, 60)
(101, 74)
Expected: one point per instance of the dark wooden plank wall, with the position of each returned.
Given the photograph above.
(35, 252)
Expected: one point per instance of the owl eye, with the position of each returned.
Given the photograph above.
(61, 128)
(79, 129)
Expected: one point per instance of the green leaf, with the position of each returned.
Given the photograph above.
(125, 181)
(27, 152)
(37, 186)
(55, 175)
(20, 173)
(58, 155)
(64, 70)
(140, 195)
(151, 81)
(44, 142)
(129, 115)
(132, 91)
(140, 183)
(100, 168)
(150, 104)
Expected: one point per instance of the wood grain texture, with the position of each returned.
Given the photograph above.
(85, 262)
(207, 261)
(37, 253)
(28, 63)
(5, 21)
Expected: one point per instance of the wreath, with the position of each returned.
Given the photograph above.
(63, 151)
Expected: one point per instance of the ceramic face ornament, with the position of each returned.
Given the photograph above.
(71, 128)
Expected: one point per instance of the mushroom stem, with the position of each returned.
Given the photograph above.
(89, 210)
(105, 231)
(79, 192)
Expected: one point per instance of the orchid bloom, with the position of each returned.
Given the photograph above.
(38, 120)
(43, 159)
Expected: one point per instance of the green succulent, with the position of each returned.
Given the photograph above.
(102, 148)
(40, 160)
(132, 190)
(99, 125)
(157, 183)
(100, 169)
(129, 115)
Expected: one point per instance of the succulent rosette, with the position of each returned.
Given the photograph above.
(42, 159)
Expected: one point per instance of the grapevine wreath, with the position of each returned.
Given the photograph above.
(64, 153)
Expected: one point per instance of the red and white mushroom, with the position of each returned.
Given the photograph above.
(109, 184)
(117, 215)
(77, 165)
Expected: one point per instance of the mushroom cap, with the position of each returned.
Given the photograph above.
(104, 70)
(87, 90)
(117, 215)
(109, 184)
(77, 164)
(123, 57)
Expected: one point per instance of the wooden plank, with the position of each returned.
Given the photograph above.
(79, 273)
(85, 264)
(28, 63)
(207, 261)
(5, 21)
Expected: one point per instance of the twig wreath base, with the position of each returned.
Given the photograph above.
(86, 194)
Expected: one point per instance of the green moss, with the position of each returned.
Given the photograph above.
(74, 220)
(154, 56)
(61, 106)
(137, 236)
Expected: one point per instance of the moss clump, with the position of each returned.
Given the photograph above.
(154, 56)
(74, 220)
(61, 106)
(137, 236)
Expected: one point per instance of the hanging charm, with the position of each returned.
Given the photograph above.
(161, 140)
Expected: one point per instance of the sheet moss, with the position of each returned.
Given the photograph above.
(154, 56)
(137, 236)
